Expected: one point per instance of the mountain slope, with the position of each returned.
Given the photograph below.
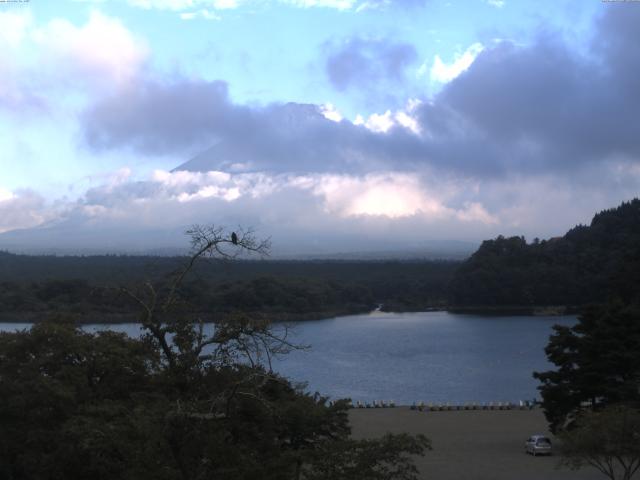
(588, 264)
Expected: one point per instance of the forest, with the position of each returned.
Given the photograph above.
(92, 287)
(589, 264)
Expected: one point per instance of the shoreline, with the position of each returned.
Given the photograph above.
(104, 318)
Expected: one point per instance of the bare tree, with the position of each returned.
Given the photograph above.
(183, 341)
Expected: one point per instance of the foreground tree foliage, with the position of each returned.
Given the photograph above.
(608, 440)
(598, 363)
(182, 402)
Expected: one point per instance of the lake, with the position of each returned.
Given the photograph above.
(411, 357)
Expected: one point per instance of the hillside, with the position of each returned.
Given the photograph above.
(588, 264)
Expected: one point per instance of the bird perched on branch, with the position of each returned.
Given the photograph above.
(234, 238)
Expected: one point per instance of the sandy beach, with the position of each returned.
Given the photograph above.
(471, 445)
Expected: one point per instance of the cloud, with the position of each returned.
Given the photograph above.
(187, 6)
(204, 13)
(189, 115)
(383, 123)
(15, 94)
(156, 117)
(102, 49)
(516, 112)
(39, 62)
(14, 26)
(443, 73)
(23, 209)
(337, 4)
(166, 4)
(361, 63)
(542, 107)
(385, 4)
(345, 212)
(313, 212)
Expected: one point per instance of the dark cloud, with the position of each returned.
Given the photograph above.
(363, 63)
(159, 118)
(517, 110)
(543, 107)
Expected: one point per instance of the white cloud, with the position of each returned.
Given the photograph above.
(5, 195)
(225, 4)
(496, 3)
(383, 122)
(377, 122)
(102, 50)
(330, 112)
(41, 64)
(337, 4)
(14, 26)
(14, 29)
(392, 195)
(23, 209)
(344, 212)
(443, 72)
(165, 4)
(204, 13)
(190, 5)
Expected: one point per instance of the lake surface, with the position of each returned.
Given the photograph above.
(411, 357)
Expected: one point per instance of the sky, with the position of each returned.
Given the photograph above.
(327, 125)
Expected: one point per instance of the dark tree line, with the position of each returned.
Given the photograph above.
(587, 265)
(87, 286)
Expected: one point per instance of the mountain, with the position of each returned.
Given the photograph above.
(220, 157)
(588, 264)
(277, 141)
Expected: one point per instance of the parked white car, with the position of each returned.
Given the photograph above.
(538, 445)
